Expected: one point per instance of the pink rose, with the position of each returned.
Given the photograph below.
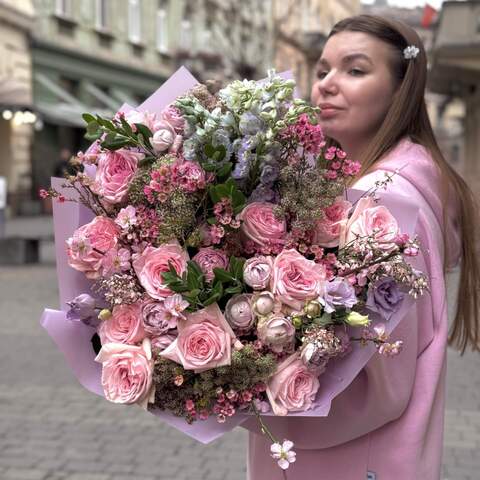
(277, 332)
(257, 271)
(124, 326)
(114, 173)
(163, 136)
(374, 221)
(238, 312)
(145, 118)
(152, 262)
(327, 231)
(293, 387)
(296, 279)
(87, 247)
(173, 116)
(127, 372)
(209, 258)
(204, 341)
(260, 225)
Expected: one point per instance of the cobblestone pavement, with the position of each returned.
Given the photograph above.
(52, 429)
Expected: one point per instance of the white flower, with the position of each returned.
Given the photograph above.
(283, 454)
(411, 52)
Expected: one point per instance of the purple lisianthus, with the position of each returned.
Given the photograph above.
(338, 293)
(157, 320)
(384, 297)
(82, 309)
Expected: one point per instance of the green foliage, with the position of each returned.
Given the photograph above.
(200, 293)
(247, 368)
(228, 190)
(118, 134)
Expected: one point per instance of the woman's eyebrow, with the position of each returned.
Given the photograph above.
(347, 59)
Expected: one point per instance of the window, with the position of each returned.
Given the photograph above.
(63, 8)
(186, 34)
(162, 30)
(134, 21)
(101, 22)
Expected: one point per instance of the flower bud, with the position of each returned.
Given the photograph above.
(104, 314)
(264, 303)
(297, 322)
(356, 319)
(312, 309)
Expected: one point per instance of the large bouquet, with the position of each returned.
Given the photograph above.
(227, 269)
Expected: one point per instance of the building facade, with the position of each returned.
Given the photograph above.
(90, 56)
(300, 28)
(455, 74)
(223, 39)
(16, 115)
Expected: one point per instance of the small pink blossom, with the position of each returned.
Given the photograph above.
(175, 305)
(283, 453)
(126, 218)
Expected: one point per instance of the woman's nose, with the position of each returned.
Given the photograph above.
(328, 84)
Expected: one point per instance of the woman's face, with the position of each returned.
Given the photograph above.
(353, 88)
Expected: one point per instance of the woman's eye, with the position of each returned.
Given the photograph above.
(356, 72)
(322, 74)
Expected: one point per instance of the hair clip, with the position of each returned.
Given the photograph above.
(411, 52)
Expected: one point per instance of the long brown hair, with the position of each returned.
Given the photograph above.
(407, 116)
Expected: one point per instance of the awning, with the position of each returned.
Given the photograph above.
(68, 109)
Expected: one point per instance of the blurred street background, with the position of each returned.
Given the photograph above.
(61, 58)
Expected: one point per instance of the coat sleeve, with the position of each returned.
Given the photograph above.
(381, 391)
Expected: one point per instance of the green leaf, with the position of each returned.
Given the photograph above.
(213, 194)
(126, 126)
(144, 130)
(93, 128)
(195, 268)
(209, 150)
(236, 267)
(222, 275)
(208, 167)
(211, 220)
(223, 190)
(224, 171)
(233, 290)
(88, 117)
(115, 144)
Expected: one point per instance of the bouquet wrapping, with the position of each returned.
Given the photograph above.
(212, 265)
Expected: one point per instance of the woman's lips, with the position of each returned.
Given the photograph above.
(328, 112)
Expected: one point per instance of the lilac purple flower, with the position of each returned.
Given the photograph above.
(384, 297)
(82, 309)
(338, 293)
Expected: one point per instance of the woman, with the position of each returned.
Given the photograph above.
(388, 424)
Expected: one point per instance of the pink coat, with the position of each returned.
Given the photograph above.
(388, 424)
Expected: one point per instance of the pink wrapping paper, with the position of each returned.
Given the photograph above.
(73, 338)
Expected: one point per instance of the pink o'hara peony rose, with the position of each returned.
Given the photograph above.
(152, 262)
(209, 258)
(204, 340)
(124, 326)
(260, 225)
(257, 271)
(293, 387)
(90, 243)
(371, 220)
(114, 173)
(296, 279)
(127, 372)
(327, 231)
